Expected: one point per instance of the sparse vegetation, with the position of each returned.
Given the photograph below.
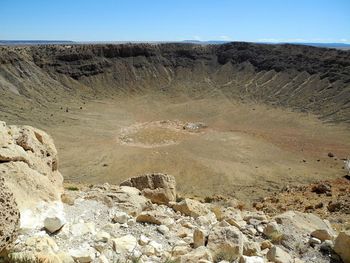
(276, 237)
(72, 188)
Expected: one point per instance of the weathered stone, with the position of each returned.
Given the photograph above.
(180, 250)
(226, 243)
(148, 250)
(322, 234)
(9, 217)
(253, 259)
(265, 244)
(163, 229)
(314, 241)
(271, 229)
(159, 188)
(260, 228)
(102, 259)
(158, 248)
(233, 217)
(80, 229)
(207, 220)
(342, 246)
(196, 255)
(251, 248)
(124, 244)
(31, 256)
(28, 162)
(143, 240)
(120, 217)
(103, 236)
(191, 208)
(65, 258)
(68, 198)
(111, 228)
(42, 244)
(303, 221)
(258, 215)
(250, 230)
(125, 198)
(154, 217)
(278, 255)
(183, 232)
(54, 223)
(83, 254)
(198, 238)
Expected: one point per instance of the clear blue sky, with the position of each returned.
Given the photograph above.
(152, 20)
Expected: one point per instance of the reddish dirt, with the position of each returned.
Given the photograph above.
(328, 199)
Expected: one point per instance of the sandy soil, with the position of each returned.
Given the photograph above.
(247, 150)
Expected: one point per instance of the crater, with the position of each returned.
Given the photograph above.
(159, 133)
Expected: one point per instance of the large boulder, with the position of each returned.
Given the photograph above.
(190, 207)
(29, 165)
(159, 188)
(226, 243)
(342, 246)
(296, 227)
(125, 198)
(303, 221)
(9, 217)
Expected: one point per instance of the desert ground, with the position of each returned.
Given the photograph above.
(246, 151)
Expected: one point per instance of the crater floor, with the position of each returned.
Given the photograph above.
(244, 151)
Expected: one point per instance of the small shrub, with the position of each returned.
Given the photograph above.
(179, 198)
(276, 237)
(72, 188)
(208, 199)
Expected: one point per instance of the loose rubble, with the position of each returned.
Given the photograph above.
(97, 230)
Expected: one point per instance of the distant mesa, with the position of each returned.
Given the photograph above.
(34, 42)
(344, 46)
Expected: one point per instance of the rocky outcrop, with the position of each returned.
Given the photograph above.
(127, 199)
(159, 188)
(304, 221)
(9, 217)
(29, 165)
(342, 246)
